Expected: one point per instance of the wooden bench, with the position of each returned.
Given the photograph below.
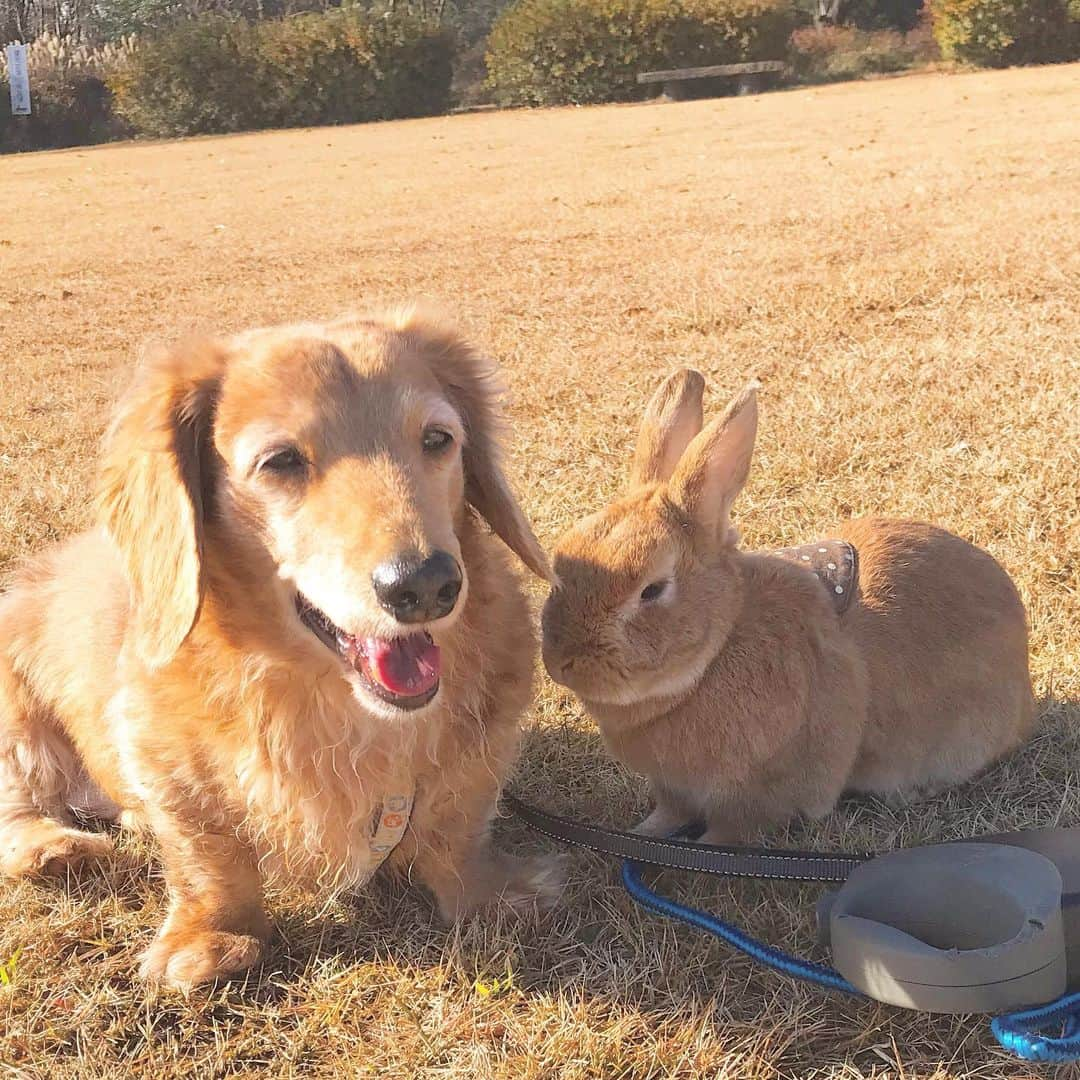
(748, 75)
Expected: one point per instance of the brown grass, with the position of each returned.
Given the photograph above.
(897, 261)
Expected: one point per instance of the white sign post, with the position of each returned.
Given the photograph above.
(19, 79)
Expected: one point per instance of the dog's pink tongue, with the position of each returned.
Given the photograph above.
(404, 666)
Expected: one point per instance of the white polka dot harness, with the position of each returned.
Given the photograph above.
(835, 563)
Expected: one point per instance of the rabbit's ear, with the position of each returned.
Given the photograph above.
(716, 464)
(672, 419)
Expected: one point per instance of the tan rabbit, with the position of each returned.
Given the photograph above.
(751, 687)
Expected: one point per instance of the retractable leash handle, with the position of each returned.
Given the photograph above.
(954, 928)
(1047, 1033)
(959, 927)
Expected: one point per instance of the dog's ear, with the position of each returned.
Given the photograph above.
(474, 387)
(152, 490)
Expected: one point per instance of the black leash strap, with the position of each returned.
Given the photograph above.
(748, 862)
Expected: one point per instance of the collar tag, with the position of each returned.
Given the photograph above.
(393, 820)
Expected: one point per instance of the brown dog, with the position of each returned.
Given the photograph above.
(291, 631)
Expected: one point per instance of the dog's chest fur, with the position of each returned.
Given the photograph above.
(315, 785)
(304, 774)
(285, 755)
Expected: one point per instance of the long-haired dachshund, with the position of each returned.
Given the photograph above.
(292, 646)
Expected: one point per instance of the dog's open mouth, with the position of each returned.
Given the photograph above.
(401, 671)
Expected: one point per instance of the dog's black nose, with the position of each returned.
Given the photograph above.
(415, 590)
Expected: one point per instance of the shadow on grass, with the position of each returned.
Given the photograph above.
(595, 947)
(596, 944)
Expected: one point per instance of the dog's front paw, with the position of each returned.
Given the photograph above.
(182, 961)
(46, 848)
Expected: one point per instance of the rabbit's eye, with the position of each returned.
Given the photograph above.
(653, 591)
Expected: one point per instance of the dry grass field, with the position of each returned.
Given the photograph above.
(897, 261)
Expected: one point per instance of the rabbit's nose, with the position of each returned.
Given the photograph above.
(557, 663)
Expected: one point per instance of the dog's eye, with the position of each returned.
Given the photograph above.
(283, 462)
(653, 591)
(435, 440)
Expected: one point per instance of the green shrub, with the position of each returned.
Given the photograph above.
(996, 33)
(197, 76)
(70, 102)
(549, 52)
(830, 53)
(215, 74)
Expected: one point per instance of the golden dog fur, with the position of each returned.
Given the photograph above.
(155, 668)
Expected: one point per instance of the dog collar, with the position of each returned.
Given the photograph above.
(389, 825)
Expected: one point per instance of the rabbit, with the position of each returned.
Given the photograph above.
(749, 689)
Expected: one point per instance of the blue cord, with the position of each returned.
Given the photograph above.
(1022, 1033)
(763, 954)
(1026, 1033)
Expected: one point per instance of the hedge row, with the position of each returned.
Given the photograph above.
(557, 52)
(214, 74)
(998, 33)
(553, 52)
